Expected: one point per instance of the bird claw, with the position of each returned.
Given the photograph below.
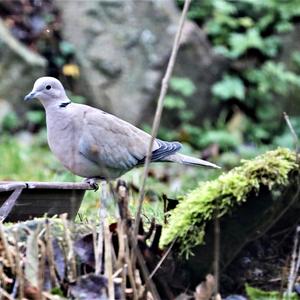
(93, 183)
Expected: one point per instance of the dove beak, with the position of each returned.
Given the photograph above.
(30, 96)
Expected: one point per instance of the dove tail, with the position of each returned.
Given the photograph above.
(189, 160)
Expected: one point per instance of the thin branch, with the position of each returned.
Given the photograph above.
(8, 205)
(50, 254)
(162, 259)
(292, 276)
(6, 294)
(71, 266)
(216, 251)
(19, 272)
(108, 261)
(159, 108)
(294, 134)
(6, 249)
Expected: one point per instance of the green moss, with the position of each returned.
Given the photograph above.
(188, 220)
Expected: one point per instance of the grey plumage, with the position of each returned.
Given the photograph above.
(91, 143)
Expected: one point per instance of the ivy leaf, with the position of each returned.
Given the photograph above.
(174, 102)
(184, 86)
(229, 87)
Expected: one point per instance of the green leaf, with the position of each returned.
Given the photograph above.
(35, 117)
(11, 121)
(258, 294)
(174, 102)
(184, 86)
(229, 87)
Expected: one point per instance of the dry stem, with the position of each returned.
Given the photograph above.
(70, 255)
(19, 272)
(108, 261)
(159, 108)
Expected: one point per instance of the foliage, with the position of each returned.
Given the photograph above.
(257, 294)
(175, 101)
(229, 87)
(250, 34)
(188, 220)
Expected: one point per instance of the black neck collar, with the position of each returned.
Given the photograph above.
(64, 104)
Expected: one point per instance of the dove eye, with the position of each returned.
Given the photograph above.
(48, 87)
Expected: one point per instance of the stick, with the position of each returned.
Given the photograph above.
(8, 205)
(291, 278)
(159, 108)
(130, 271)
(102, 217)
(19, 272)
(50, 255)
(71, 266)
(162, 260)
(108, 261)
(5, 294)
(294, 134)
(6, 248)
(216, 251)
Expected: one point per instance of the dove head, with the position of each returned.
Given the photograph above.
(49, 91)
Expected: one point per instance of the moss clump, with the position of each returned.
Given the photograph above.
(187, 221)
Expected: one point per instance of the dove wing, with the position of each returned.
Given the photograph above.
(111, 142)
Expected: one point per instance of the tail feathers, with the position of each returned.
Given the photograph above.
(189, 160)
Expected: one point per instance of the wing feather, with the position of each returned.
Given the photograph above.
(111, 142)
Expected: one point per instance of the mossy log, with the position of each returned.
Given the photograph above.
(250, 200)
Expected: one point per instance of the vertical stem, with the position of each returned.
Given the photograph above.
(108, 261)
(71, 266)
(159, 108)
(291, 279)
(50, 255)
(217, 250)
(19, 272)
(102, 217)
(6, 248)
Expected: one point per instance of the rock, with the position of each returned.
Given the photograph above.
(123, 49)
(19, 68)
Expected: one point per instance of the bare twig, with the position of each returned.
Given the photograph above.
(71, 267)
(8, 205)
(5, 294)
(145, 273)
(292, 275)
(19, 272)
(298, 258)
(294, 134)
(50, 255)
(216, 251)
(108, 261)
(102, 216)
(42, 263)
(159, 108)
(6, 248)
(130, 271)
(162, 259)
(121, 239)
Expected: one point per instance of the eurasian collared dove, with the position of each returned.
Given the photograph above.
(94, 144)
